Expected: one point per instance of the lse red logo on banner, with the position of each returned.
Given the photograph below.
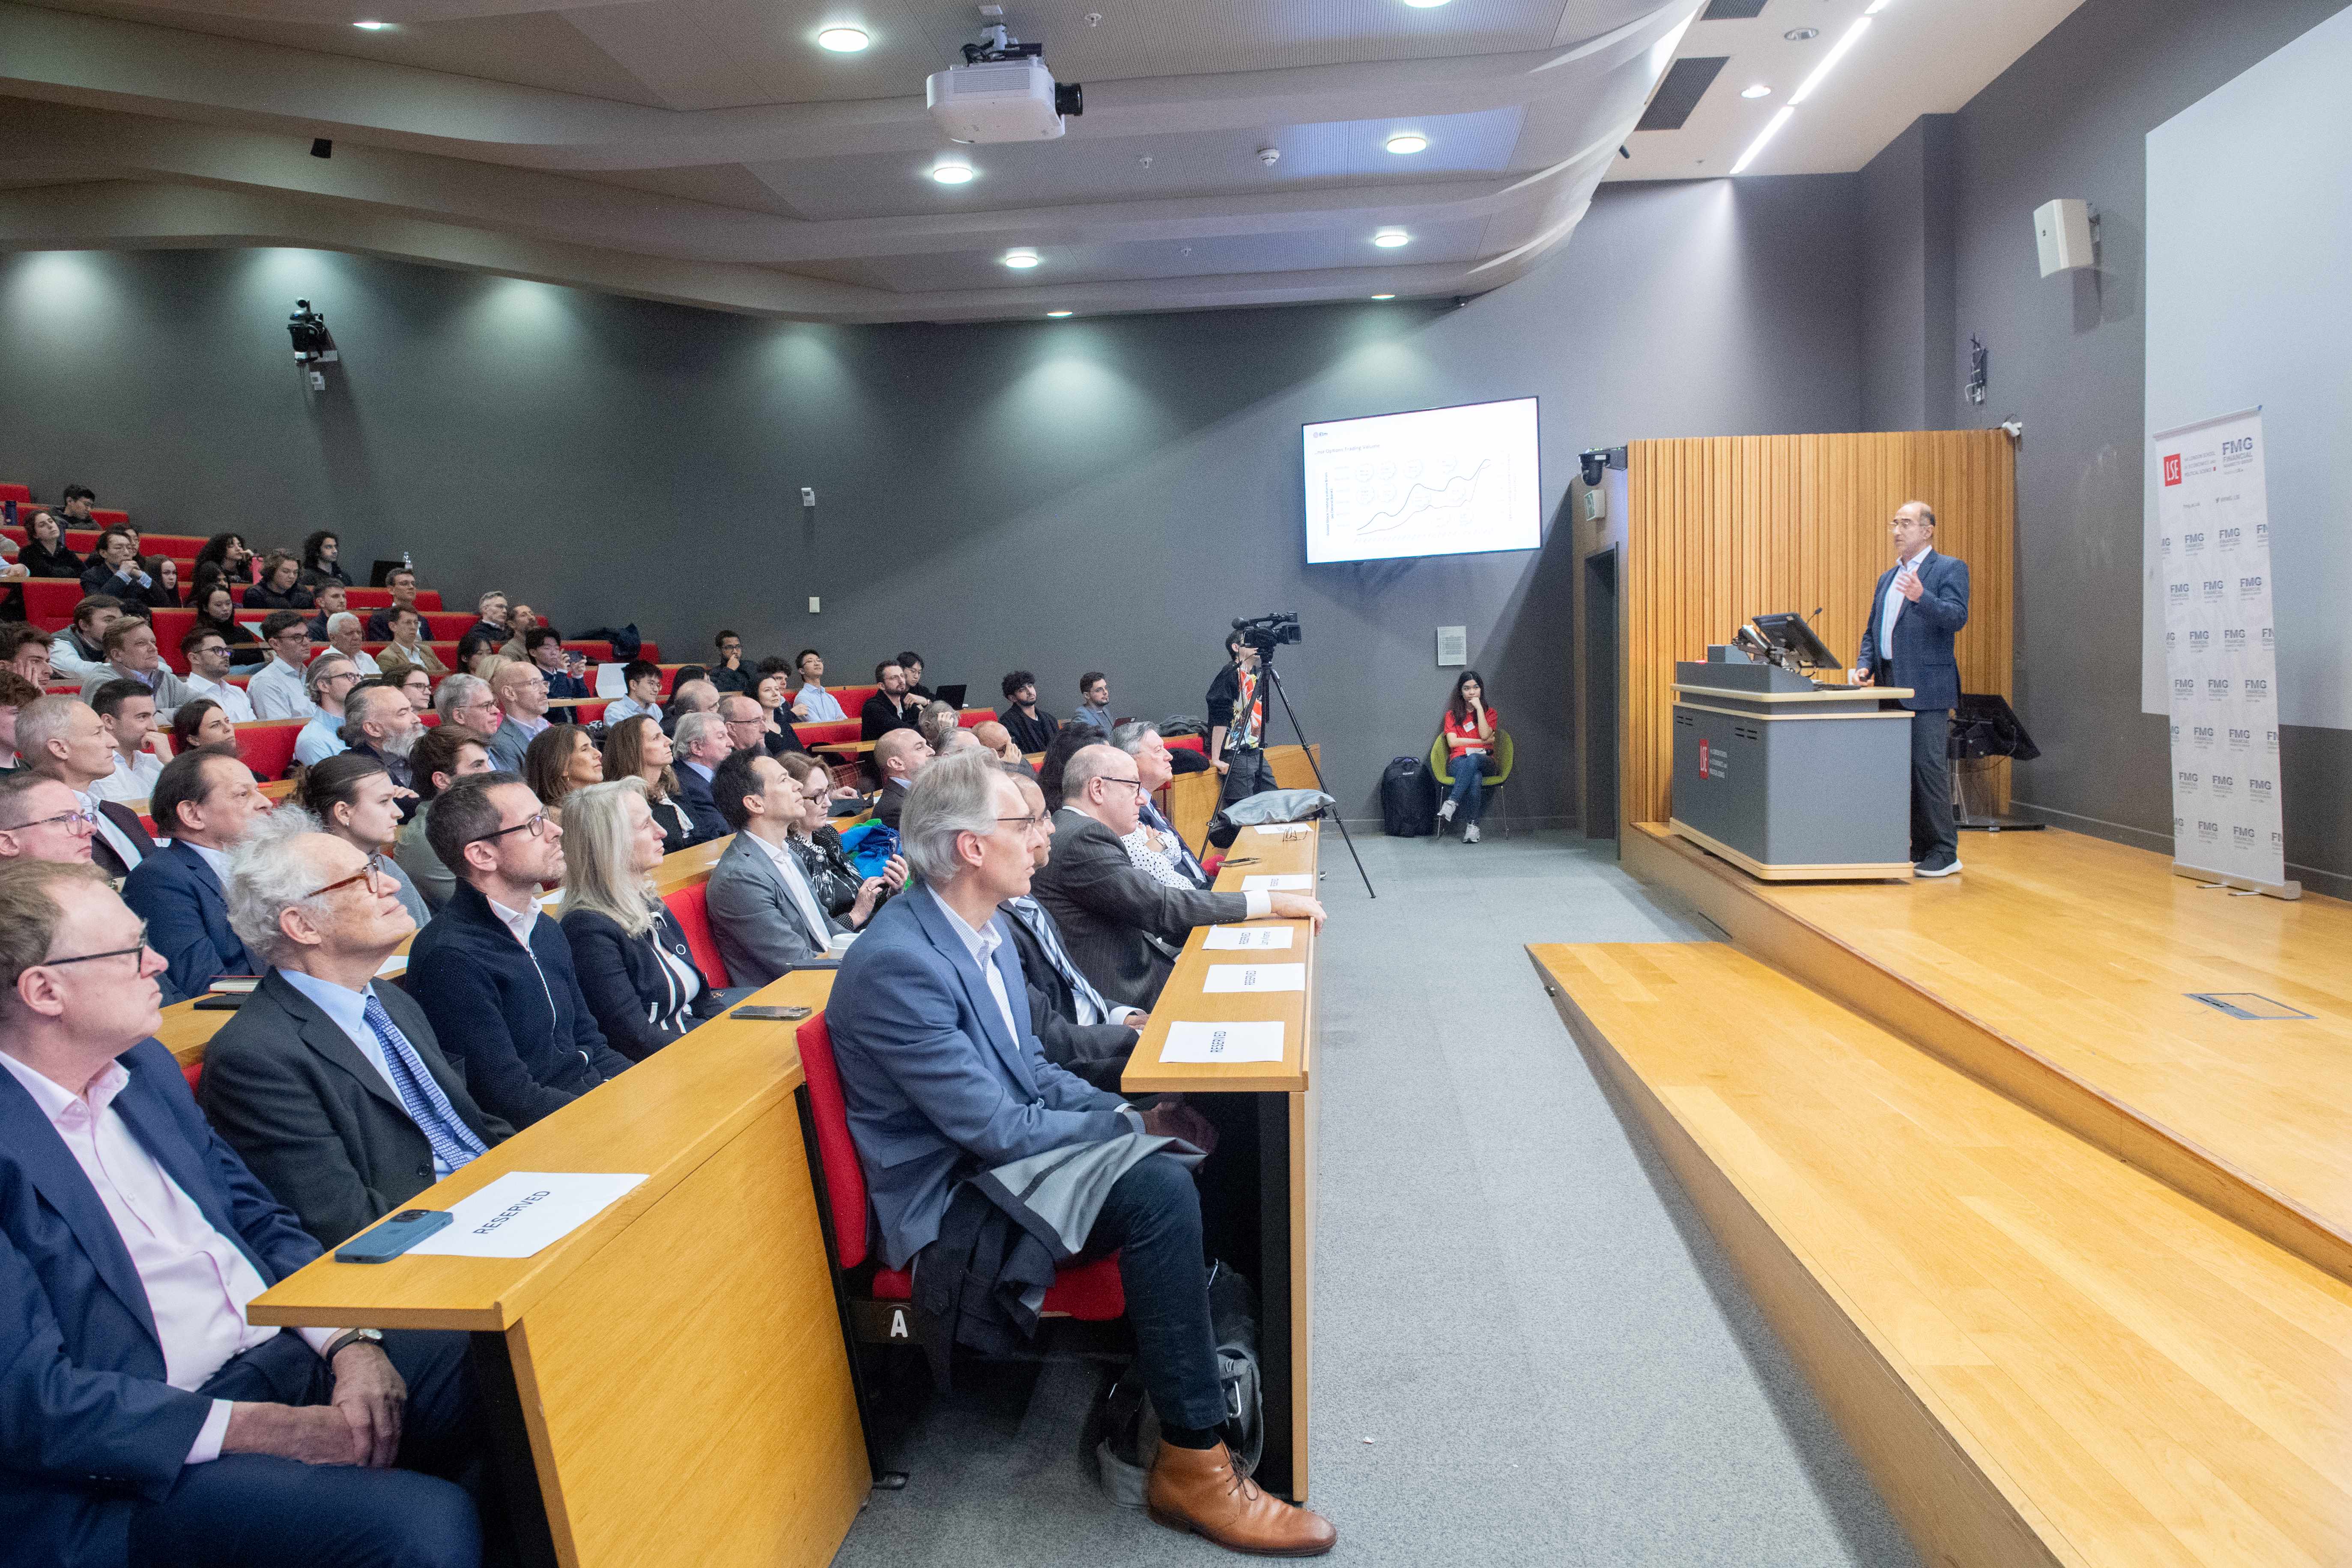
(2172, 469)
(1702, 759)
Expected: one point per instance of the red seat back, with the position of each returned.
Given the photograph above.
(845, 1178)
(690, 907)
(50, 601)
(194, 1072)
(1186, 743)
(268, 746)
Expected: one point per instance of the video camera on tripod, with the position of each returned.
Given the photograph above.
(1266, 633)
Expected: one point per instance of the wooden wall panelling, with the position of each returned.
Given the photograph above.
(1723, 528)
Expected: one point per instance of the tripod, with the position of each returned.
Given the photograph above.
(1266, 662)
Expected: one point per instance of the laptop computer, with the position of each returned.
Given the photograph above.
(951, 695)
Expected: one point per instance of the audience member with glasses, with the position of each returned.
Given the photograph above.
(1125, 928)
(495, 978)
(296, 1080)
(41, 819)
(149, 1421)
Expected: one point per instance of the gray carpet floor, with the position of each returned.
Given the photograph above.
(1527, 1348)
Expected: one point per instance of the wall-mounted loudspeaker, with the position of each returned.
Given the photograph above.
(2062, 230)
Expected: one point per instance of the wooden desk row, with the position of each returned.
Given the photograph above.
(1284, 1094)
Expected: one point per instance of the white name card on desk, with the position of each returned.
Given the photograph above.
(1223, 1042)
(523, 1211)
(1240, 938)
(1287, 830)
(1256, 977)
(1279, 882)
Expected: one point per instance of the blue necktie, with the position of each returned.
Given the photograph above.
(453, 1142)
(1092, 1009)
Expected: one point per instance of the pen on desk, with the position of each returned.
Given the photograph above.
(1242, 860)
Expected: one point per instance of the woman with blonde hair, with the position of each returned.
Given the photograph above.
(636, 748)
(636, 970)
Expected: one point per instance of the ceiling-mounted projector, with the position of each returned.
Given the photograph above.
(1003, 92)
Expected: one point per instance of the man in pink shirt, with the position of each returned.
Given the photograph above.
(147, 1421)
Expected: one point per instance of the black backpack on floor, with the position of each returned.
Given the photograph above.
(1407, 798)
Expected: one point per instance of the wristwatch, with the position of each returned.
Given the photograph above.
(342, 1343)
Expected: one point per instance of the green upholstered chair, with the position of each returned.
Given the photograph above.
(1503, 756)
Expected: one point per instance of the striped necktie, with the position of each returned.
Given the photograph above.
(1092, 1009)
(453, 1143)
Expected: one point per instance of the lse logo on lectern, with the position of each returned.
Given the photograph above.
(2173, 468)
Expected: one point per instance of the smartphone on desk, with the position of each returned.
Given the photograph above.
(770, 1015)
(393, 1237)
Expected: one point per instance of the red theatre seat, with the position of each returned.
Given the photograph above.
(691, 909)
(268, 746)
(15, 493)
(1187, 743)
(49, 602)
(1090, 1292)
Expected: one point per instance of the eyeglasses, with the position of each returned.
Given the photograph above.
(141, 948)
(535, 826)
(87, 818)
(367, 873)
(1031, 823)
(1136, 785)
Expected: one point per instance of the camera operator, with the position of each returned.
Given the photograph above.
(1236, 703)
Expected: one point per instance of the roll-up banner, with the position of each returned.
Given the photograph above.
(2220, 652)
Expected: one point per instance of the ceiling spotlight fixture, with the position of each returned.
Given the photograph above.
(1383, 296)
(842, 40)
(1772, 128)
(951, 174)
(1407, 142)
(1390, 239)
(1801, 34)
(371, 26)
(1758, 90)
(1057, 315)
(1852, 36)
(1425, 4)
(1021, 259)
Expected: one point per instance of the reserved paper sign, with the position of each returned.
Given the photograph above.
(1235, 939)
(1256, 977)
(1280, 882)
(523, 1211)
(1223, 1042)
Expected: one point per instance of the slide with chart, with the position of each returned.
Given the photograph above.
(1437, 481)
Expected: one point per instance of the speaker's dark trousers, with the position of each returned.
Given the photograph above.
(255, 1510)
(1931, 786)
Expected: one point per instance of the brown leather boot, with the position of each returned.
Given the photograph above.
(1196, 1489)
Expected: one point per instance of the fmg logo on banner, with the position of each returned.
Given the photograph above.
(2221, 649)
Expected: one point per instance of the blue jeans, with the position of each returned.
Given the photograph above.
(1152, 1215)
(1468, 791)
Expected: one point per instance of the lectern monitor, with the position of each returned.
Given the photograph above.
(1792, 636)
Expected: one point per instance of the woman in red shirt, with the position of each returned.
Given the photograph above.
(1470, 730)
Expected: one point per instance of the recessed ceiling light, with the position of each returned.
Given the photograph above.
(1408, 143)
(842, 40)
(1057, 315)
(1024, 257)
(1852, 36)
(1390, 239)
(1383, 296)
(1758, 90)
(1801, 34)
(1425, 4)
(371, 26)
(951, 174)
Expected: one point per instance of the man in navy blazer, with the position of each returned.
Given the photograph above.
(701, 744)
(942, 1072)
(204, 802)
(1919, 605)
(146, 1421)
(492, 973)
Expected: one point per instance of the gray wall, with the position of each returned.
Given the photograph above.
(2066, 356)
(1908, 282)
(1054, 495)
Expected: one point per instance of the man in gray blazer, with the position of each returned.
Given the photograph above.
(763, 911)
(1123, 926)
(333, 1088)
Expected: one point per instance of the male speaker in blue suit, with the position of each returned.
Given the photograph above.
(943, 1074)
(204, 802)
(1920, 604)
(142, 1419)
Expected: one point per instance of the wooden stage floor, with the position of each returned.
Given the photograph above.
(2058, 969)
